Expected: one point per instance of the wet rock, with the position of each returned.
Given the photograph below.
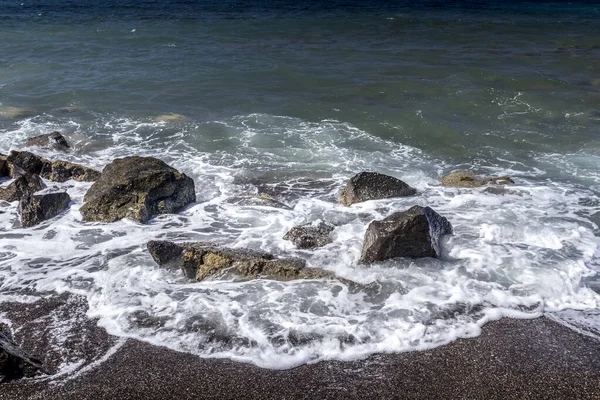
(62, 171)
(53, 140)
(40, 207)
(137, 188)
(469, 179)
(27, 161)
(373, 186)
(4, 169)
(14, 362)
(413, 233)
(23, 184)
(260, 199)
(201, 261)
(310, 236)
(58, 171)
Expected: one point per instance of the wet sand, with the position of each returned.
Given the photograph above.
(512, 359)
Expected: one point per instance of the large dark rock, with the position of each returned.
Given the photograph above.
(23, 184)
(14, 362)
(413, 233)
(204, 260)
(40, 207)
(373, 186)
(4, 169)
(26, 161)
(310, 236)
(137, 188)
(52, 140)
(469, 179)
(58, 171)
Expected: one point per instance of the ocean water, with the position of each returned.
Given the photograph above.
(292, 99)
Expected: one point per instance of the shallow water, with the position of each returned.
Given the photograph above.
(292, 101)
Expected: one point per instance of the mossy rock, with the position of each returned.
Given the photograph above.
(469, 179)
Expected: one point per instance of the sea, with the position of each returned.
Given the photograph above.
(292, 98)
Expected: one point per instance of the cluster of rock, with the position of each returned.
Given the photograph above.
(140, 188)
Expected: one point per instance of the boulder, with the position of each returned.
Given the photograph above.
(53, 140)
(58, 171)
(26, 161)
(373, 186)
(469, 179)
(23, 184)
(413, 233)
(40, 207)
(14, 362)
(260, 199)
(310, 236)
(137, 188)
(200, 261)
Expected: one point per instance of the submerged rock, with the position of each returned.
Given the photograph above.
(373, 186)
(413, 233)
(14, 362)
(310, 236)
(23, 184)
(58, 171)
(53, 140)
(204, 260)
(40, 207)
(137, 188)
(260, 199)
(469, 179)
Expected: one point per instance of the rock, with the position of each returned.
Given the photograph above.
(413, 233)
(58, 171)
(40, 207)
(27, 161)
(4, 169)
(137, 188)
(14, 362)
(373, 186)
(53, 140)
(469, 179)
(62, 171)
(22, 185)
(203, 260)
(310, 236)
(260, 199)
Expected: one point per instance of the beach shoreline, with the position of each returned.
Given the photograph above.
(512, 358)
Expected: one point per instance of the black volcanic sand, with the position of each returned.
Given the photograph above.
(511, 359)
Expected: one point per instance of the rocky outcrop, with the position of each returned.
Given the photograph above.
(413, 233)
(53, 140)
(200, 261)
(260, 199)
(57, 171)
(310, 236)
(23, 184)
(14, 362)
(40, 207)
(469, 179)
(137, 188)
(373, 186)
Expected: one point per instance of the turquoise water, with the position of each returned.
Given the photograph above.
(293, 99)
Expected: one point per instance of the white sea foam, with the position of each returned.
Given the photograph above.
(521, 253)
